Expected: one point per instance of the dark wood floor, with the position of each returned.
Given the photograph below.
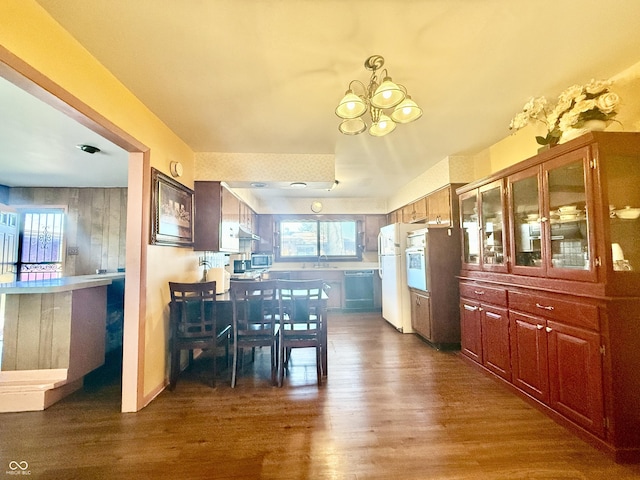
(393, 408)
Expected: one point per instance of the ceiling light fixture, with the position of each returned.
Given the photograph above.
(388, 103)
(88, 148)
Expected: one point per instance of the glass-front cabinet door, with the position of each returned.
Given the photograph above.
(470, 227)
(492, 227)
(621, 174)
(568, 216)
(525, 199)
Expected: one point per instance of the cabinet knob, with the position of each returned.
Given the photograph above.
(478, 292)
(549, 329)
(544, 219)
(539, 327)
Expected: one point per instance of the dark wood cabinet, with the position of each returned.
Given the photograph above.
(372, 226)
(219, 216)
(421, 313)
(435, 311)
(266, 233)
(495, 340)
(441, 210)
(485, 327)
(569, 325)
(471, 329)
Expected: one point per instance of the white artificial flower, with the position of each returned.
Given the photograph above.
(595, 87)
(607, 102)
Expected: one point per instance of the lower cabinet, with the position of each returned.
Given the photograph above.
(485, 330)
(421, 313)
(547, 346)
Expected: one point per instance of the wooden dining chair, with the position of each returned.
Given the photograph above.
(195, 325)
(255, 318)
(301, 321)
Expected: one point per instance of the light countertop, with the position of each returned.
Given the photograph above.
(62, 284)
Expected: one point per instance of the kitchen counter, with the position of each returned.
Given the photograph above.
(62, 284)
(346, 266)
(56, 325)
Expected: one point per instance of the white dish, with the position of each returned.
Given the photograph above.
(569, 216)
(568, 209)
(628, 213)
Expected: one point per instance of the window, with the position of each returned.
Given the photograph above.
(310, 239)
(41, 241)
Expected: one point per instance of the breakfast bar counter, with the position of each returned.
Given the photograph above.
(56, 323)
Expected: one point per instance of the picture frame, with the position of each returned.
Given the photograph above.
(171, 212)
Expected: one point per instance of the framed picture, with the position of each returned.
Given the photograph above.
(171, 211)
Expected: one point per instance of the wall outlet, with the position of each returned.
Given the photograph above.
(73, 250)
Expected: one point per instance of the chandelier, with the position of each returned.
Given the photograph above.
(388, 103)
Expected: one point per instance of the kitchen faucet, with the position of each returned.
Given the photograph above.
(320, 264)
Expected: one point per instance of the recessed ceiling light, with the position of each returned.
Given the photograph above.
(298, 185)
(88, 148)
(258, 184)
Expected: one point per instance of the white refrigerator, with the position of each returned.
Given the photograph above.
(396, 306)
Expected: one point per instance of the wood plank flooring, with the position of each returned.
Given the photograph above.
(392, 408)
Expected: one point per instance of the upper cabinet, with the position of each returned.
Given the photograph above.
(569, 213)
(415, 212)
(550, 214)
(441, 210)
(482, 216)
(218, 217)
(372, 226)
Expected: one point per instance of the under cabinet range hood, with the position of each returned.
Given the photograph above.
(244, 234)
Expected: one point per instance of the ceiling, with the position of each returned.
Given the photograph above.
(265, 76)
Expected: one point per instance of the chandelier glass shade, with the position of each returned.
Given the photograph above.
(387, 103)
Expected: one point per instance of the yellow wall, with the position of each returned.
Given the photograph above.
(522, 145)
(31, 34)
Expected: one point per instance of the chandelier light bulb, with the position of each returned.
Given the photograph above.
(407, 111)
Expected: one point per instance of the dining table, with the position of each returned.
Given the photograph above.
(226, 315)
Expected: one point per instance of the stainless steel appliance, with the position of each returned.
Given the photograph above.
(396, 306)
(261, 260)
(416, 260)
(358, 290)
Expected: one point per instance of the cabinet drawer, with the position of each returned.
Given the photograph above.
(495, 296)
(570, 312)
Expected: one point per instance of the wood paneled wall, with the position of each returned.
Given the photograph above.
(95, 224)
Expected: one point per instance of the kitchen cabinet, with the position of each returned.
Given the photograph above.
(415, 212)
(558, 233)
(550, 212)
(216, 219)
(485, 327)
(483, 227)
(442, 211)
(557, 355)
(435, 309)
(421, 312)
(395, 217)
(266, 230)
(372, 226)
(247, 218)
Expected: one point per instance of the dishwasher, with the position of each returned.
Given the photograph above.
(358, 290)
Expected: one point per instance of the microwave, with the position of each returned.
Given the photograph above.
(261, 260)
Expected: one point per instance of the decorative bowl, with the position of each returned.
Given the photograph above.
(628, 213)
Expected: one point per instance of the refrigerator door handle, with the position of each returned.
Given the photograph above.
(380, 254)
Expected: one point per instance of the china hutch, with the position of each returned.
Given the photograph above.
(550, 284)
